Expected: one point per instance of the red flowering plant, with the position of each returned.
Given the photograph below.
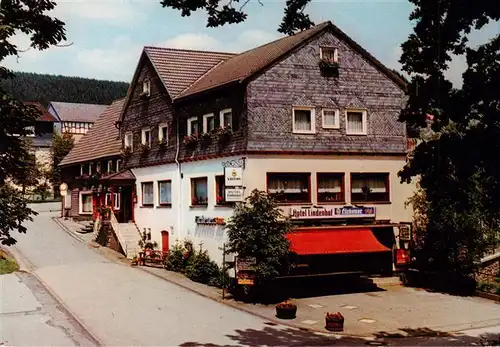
(287, 304)
(220, 200)
(191, 140)
(334, 317)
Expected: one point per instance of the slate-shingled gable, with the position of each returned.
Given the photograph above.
(101, 141)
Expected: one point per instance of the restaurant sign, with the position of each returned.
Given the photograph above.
(336, 212)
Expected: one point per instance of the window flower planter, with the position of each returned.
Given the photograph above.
(126, 151)
(144, 148)
(163, 144)
(328, 68)
(224, 134)
(334, 321)
(286, 310)
(206, 139)
(191, 141)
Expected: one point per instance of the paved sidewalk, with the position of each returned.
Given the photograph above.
(30, 316)
(381, 310)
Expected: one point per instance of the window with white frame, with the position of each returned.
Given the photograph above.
(329, 54)
(192, 126)
(118, 163)
(113, 199)
(146, 137)
(163, 132)
(165, 192)
(98, 167)
(303, 120)
(110, 166)
(356, 122)
(129, 140)
(208, 122)
(370, 187)
(331, 118)
(90, 168)
(81, 170)
(86, 203)
(147, 194)
(226, 118)
(146, 87)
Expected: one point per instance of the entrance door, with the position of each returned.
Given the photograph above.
(127, 205)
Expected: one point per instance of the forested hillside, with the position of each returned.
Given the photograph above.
(45, 88)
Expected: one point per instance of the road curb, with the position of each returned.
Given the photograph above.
(65, 307)
(69, 232)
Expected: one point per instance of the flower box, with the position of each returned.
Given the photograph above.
(334, 321)
(286, 310)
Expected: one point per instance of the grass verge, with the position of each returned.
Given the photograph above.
(7, 264)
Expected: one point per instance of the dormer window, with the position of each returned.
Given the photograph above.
(146, 88)
(329, 54)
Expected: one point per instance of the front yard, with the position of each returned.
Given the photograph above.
(7, 264)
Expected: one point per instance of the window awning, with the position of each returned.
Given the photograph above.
(312, 241)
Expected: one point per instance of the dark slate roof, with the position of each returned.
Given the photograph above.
(45, 115)
(180, 68)
(101, 141)
(73, 112)
(246, 64)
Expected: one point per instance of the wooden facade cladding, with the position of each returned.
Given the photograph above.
(297, 81)
(149, 113)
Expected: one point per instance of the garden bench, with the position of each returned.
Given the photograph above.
(152, 256)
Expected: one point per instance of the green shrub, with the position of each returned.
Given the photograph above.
(202, 269)
(175, 260)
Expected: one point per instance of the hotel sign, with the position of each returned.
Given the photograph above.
(234, 194)
(336, 212)
(233, 176)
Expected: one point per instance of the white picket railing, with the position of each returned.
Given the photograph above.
(116, 229)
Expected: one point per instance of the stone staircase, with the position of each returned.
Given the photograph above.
(87, 227)
(130, 236)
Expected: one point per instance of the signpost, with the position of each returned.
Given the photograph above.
(233, 180)
(245, 272)
(63, 189)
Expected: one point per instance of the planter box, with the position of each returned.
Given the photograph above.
(334, 325)
(489, 296)
(286, 313)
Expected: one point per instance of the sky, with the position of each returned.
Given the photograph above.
(107, 36)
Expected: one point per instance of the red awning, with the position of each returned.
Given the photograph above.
(334, 241)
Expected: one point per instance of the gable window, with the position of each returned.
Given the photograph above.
(192, 126)
(329, 54)
(226, 118)
(199, 191)
(163, 133)
(118, 162)
(147, 194)
(289, 187)
(146, 137)
(330, 187)
(303, 120)
(370, 187)
(146, 88)
(129, 140)
(356, 122)
(165, 192)
(86, 203)
(208, 122)
(331, 119)
(110, 166)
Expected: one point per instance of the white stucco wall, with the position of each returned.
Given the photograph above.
(179, 219)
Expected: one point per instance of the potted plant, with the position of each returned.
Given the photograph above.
(163, 144)
(144, 148)
(334, 321)
(286, 310)
(329, 68)
(126, 151)
(206, 138)
(135, 261)
(191, 140)
(224, 133)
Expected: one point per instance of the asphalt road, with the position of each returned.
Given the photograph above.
(124, 306)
